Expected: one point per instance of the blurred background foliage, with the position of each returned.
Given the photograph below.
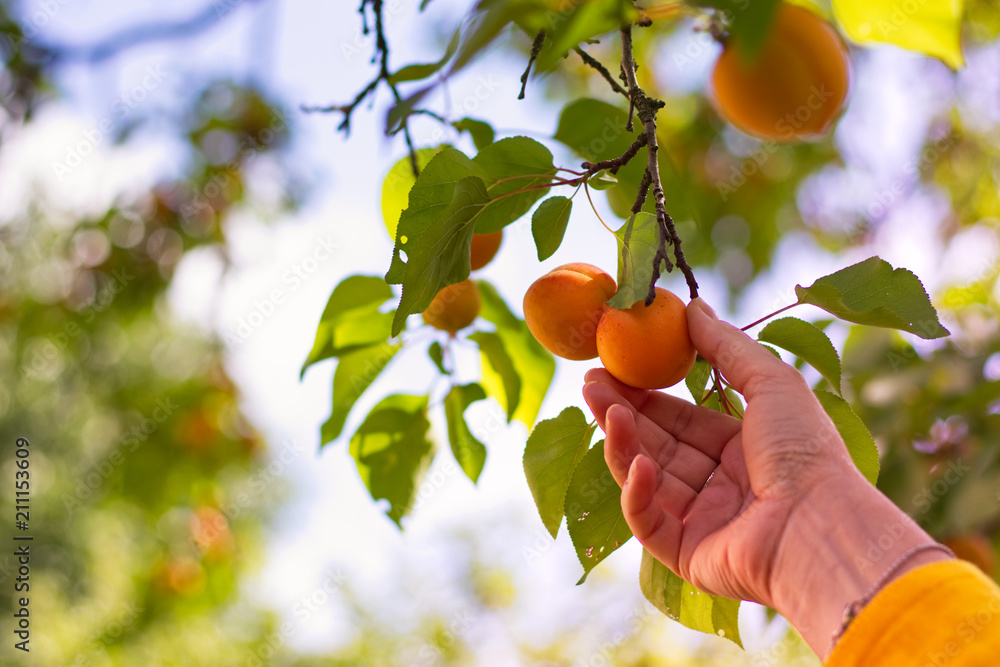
(150, 491)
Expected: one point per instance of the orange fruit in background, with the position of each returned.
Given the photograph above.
(454, 307)
(794, 88)
(974, 548)
(649, 347)
(484, 248)
(563, 307)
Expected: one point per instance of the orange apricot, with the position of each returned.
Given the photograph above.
(974, 548)
(484, 248)
(796, 85)
(645, 347)
(563, 307)
(454, 307)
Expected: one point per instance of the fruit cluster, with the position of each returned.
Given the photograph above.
(648, 347)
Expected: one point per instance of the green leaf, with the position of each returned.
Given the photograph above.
(548, 225)
(807, 343)
(351, 319)
(859, 441)
(595, 131)
(712, 402)
(872, 292)
(436, 353)
(500, 376)
(602, 180)
(933, 27)
(594, 511)
(534, 364)
(469, 452)
(417, 72)
(393, 451)
(397, 185)
(355, 373)
(482, 133)
(679, 600)
(438, 254)
(697, 379)
(554, 449)
(581, 21)
(638, 240)
(526, 163)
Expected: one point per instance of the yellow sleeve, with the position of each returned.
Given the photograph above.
(944, 614)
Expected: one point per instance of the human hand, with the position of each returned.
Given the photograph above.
(708, 495)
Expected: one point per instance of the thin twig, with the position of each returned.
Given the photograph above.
(614, 164)
(646, 108)
(596, 64)
(536, 47)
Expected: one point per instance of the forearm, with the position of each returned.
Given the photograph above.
(835, 548)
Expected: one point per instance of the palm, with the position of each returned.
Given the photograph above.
(721, 536)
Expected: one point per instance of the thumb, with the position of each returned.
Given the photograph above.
(739, 357)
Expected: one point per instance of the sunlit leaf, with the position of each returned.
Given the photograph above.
(679, 600)
(807, 343)
(548, 225)
(393, 451)
(355, 373)
(872, 292)
(439, 254)
(933, 27)
(594, 511)
(856, 436)
(580, 21)
(351, 319)
(554, 449)
(500, 376)
(396, 188)
(469, 452)
(638, 240)
(602, 180)
(512, 165)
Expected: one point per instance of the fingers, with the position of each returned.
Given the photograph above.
(630, 432)
(653, 502)
(742, 360)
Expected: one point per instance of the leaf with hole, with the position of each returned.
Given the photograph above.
(554, 449)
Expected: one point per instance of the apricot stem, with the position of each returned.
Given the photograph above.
(767, 317)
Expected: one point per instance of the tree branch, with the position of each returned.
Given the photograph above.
(536, 47)
(614, 164)
(596, 64)
(646, 108)
(381, 56)
(142, 34)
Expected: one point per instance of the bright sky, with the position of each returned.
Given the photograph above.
(314, 53)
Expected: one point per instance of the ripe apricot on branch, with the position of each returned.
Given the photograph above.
(563, 307)
(484, 248)
(454, 307)
(796, 85)
(649, 347)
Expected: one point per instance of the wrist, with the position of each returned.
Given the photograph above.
(838, 544)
